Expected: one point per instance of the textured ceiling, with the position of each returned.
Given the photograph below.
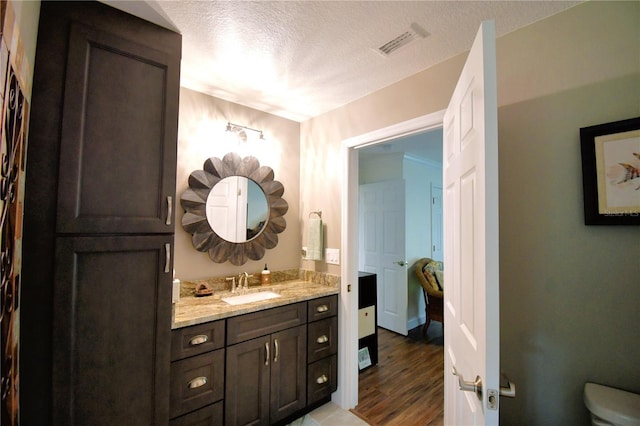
(299, 59)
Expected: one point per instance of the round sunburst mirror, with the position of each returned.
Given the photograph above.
(234, 209)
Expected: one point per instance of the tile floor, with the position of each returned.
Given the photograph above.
(329, 415)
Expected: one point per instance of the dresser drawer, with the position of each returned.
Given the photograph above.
(323, 307)
(322, 379)
(197, 339)
(322, 339)
(211, 415)
(250, 326)
(196, 382)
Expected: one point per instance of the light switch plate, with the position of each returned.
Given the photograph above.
(332, 256)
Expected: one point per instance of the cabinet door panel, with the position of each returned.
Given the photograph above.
(247, 382)
(288, 372)
(112, 322)
(118, 138)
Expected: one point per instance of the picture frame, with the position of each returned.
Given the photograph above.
(611, 172)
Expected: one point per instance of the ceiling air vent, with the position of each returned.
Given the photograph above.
(414, 33)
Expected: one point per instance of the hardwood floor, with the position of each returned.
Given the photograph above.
(407, 385)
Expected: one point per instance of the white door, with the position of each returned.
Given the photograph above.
(382, 249)
(227, 209)
(470, 163)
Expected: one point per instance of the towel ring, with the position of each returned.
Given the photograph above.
(319, 213)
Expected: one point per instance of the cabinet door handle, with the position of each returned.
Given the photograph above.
(198, 340)
(266, 358)
(167, 258)
(322, 308)
(322, 339)
(197, 382)
(322, 379)
(169, 209)
(277, 346)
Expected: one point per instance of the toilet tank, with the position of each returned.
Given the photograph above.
(615, 406)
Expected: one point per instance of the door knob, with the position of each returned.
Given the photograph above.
(402, 262)
(475, 386)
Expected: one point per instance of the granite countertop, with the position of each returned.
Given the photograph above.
(191, 310)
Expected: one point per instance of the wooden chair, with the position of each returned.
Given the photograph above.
(433, 296)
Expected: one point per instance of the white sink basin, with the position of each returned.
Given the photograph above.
(250, 298)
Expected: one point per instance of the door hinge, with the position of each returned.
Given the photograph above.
(348, 288)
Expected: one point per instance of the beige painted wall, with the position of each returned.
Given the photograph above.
(569, 292)
(201, 134)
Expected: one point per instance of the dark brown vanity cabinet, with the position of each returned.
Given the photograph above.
(266, 365)
(261, 368)
(322, 348)
(98, 221)
(197, 374)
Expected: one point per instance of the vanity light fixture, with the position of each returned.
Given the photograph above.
(240, 131)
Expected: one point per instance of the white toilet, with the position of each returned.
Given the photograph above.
(610, 406)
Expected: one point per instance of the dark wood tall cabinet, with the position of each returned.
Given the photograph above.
(98, 229)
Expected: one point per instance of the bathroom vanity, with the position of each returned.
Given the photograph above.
(263, 362)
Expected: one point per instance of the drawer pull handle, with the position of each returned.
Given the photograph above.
(167, 258)
(277, 346)
(266, 358)
(169, 209)
(322, 308)
(198, 340)
(322, 379)
(197, 382)
(322, 339)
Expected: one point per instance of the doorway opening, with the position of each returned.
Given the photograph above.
(400, 223)
(347, 395)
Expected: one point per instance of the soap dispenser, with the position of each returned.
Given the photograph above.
(265, 276)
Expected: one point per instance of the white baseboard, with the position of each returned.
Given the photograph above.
(415, 321)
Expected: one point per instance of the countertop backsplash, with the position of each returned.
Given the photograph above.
(187, 288)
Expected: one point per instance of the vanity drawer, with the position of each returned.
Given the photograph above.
(196, 382)
(249, 326)
(323, 307)
(197, 339)
(322, 339)
(322, 379)
(211, 415)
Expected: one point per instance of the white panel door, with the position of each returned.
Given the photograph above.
(470, 161)
(382, 249)
(227, 209)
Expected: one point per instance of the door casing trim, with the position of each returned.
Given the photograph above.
(346, 396)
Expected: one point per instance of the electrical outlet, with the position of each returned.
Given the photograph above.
(332, 256)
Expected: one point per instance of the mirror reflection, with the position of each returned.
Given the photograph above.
(237, 209)
(256, 219)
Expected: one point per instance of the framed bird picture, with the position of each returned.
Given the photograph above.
(611, 173)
